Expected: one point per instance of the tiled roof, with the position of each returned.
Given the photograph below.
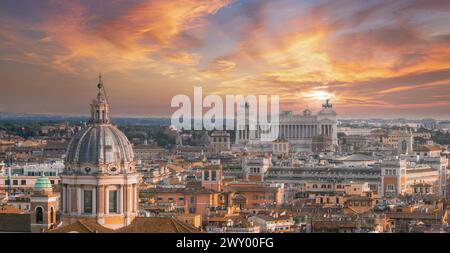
(139, 225)
(157, 225)
(427, 148)
(82, 226)
(9, 209)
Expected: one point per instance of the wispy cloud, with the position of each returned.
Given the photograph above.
(373, 55)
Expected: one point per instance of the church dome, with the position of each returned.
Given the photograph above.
(42, 183)
(99, 144)
(100, 147)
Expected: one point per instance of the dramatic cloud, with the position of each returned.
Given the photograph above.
(372, 58)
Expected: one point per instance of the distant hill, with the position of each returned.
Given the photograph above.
(26, 118)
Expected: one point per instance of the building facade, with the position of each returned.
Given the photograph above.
(298, 129)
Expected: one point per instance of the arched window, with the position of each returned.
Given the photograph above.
(51, 214)
(39, 215)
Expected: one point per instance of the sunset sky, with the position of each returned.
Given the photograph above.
(372, 58)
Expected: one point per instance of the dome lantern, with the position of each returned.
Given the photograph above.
(100, 105)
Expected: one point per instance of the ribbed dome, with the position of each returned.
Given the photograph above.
(42, 183)
(99, 144)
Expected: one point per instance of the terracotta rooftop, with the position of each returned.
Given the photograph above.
(251, 188)
(82, 226)
(139, 225)
(427, 148)
(9, 209)
(157, 225)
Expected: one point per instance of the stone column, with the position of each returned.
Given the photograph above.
(94, 200)
(64, 198)
(106, 200)
(101, 200)
(117, 200)
(121, 199)
(69, 206)
(79, 199)
(136, 197)
(129, 198)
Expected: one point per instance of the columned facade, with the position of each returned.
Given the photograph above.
(298, 130)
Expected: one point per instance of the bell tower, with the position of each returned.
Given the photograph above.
(43, 206)
(405, 141)
(212, 177)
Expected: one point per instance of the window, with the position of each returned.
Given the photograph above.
(390, 188)
(192, 210)
(39, 215)
(170, 199)
(160, 199)
(112, 201)
(23, 182)
(206, 175)
(314, 186)
(15, 182)
(6, 182)
(192, 200)
(181, 198)
(255, 197)
(51, 214)
(52, 181)
(87, 201)
(214, 175)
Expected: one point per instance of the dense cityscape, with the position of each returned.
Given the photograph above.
(321, 174)
(224, 124)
